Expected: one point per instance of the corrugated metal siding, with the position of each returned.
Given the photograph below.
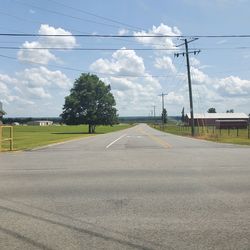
(219, 116)
(234, 124)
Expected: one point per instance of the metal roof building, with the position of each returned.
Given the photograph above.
(209, 119)
(219, 116)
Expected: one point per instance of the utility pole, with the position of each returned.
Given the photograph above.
(186, 42)
(162, 101)
(154, 110)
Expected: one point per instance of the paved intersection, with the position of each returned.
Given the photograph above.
(134, 189)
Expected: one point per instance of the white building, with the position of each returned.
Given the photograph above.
(40, 123)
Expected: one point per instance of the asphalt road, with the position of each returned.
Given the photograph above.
(133, 189)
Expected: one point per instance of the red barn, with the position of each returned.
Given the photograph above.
(234, 124)
(209, 119)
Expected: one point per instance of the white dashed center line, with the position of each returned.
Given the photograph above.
(110, 144)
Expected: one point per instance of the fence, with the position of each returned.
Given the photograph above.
(3, 137)
(216, 132)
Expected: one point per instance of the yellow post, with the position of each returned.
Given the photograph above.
(10, 138)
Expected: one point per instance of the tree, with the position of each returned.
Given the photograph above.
(211, 110)
(183, 115)
(90, 102)
(2, 113)
(164, 116)
(230, 111)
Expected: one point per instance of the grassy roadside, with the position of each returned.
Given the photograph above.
(28, 137)
(210, 134)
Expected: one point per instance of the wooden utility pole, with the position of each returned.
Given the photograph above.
(154, 110)
(189, 77)
(190, 88)
(162, 101)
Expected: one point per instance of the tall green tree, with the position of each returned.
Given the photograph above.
(211, 110)
(164, 116)
(90, 102)
(183, 115)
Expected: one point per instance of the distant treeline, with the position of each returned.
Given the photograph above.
(24, 120)
(147, 119)
(138, 119)
(128, 119)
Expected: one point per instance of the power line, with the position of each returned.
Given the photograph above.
(66, 15)
(85, 49)
(98, 16)
(19, 18)
(70, 28)
(39, 22)
(225, 48)
(122, 36)
(30, 21)
(109, 49)
(92, 72)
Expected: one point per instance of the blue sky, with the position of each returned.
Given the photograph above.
(34, 82)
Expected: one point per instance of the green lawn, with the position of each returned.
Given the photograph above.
(28, 137)
(210, 134)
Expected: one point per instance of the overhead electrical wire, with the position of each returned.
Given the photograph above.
(111, 49)
(179, 75)
(122, 36)
(67, 15)
(98, 16)
(124, 24)
(87, 49)
(40, 22)
(19, 18)
(70, 28)
(92, 72)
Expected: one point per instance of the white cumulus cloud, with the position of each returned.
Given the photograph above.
(233, 86)
(30, 52)
(123, 32)
(174, 98)
(67, 41)
(158, 42)
(38, 92)
(199, 77)
(41, 76)
(165, 62)
(123, 62)
(37, 52)
(32, 86)
(135, 89)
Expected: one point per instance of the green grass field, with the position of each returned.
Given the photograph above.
(210, 134)
(28, 137)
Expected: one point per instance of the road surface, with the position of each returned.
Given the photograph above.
(134, 189)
